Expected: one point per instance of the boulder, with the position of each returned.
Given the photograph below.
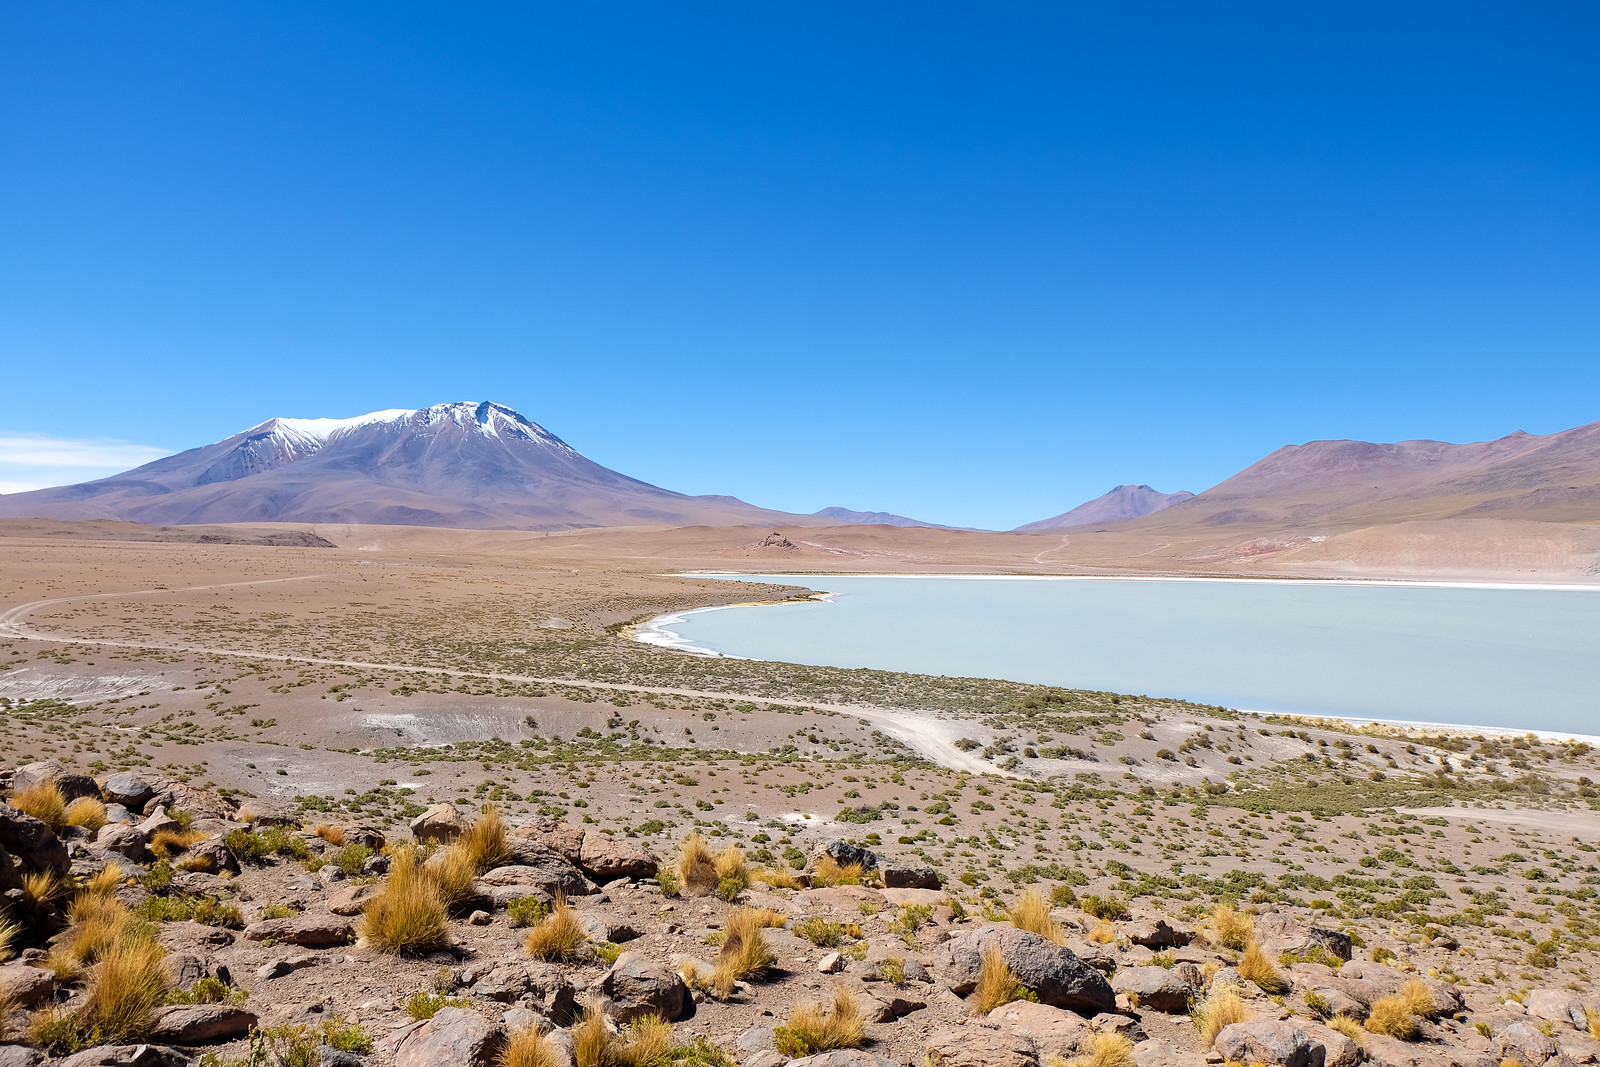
(188, 936)
(842, 1057)
(1557, 1006)
(308, 931)
(1155, 987)
(1277, 1044)
(1053, 1030)
(551, 873)
(128, 1056)
(439, 823)
(978, 1046)
(561, 838)
(212, 856)
(131, 789)
(638, 985)
(19, 1056)
(504, 895)
(27, 987)
(1155, 934)
(201, 1024)
(353, 899)
(844, 854)
(909, 876)
(184, 969)
(1525, 1043)
(1338, 1050)
(29, 847)
(123, 840)
(605, 858)
(1055, 973)
(504, 984)
(1340, 1001)
(454, 1037)
(1281, 933)
(181, 796)
(72, 784)
(601, 926)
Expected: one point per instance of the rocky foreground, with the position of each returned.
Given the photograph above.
(150, 922)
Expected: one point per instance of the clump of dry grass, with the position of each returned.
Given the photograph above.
(528, 1048)
(43, 887)
(769, 918)
(98, 922)
(646, 1042)
(1392, 1017)
(1230, 928)
(8, 938)
(168, 843)
(452, 872)
(1221, 1007)
(483, 845)
(814, 1027)
(1101, 1050)
(558, 936)
(1347, 1026)
(1419, 999)
(125, 988)
(1103, 933)
(733, 875)
(1031, 912)
(744, 953)
(45, 802)
(776, 878)
(333, 835)
(409, 917)
(87, 812)
(697, 867)
(830, 871)
(1255, 967)
(997, 985)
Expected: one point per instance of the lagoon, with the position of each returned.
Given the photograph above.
(1523, 658)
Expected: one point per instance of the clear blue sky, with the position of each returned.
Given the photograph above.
(969, 263)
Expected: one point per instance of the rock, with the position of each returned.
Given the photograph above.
(128, 1056)
(287, 965)
(181, 796)
(843, 1057)
(132, 789)
(757, 1039)
(638, 985)
(367, 836)
(604, 858)
(516, 1020)
(1340, 1002)
(1053, 1030)
(1338, 1050)
(1281, 933)
(186, 936)
(563, 839)
(201, 1024)
(184, 969)
(844, 854)
(1269, 1042)
(549, 872)
(603, 927)
(904, 897)
(886, 1004)
(504, 984)
(1155, 987)
(1055, 973)
(19, 1056)
(439, 823)
(480, 918)
(1557, 1006)
(212, 856)
(1157, 934)
(832, 963)
(504, 895)
(29, 847)
(309, 930)
(1108, 1022)
(157, 821)
(353, 899)
(909, 876)
(72, 784)
(328, 1056)
(27, 986)
(122, 839)
(1525, 1043)
(454, 1037)
(978, 1046)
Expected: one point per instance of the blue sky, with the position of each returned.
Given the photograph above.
(970, 263)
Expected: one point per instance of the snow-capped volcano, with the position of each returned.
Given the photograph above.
(476, 465)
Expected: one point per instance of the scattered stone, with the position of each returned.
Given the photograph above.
(638, 985)
(1155, 987)
(504, 984)
(604, 858)
(832, 963)
(132, 789)
(1269, 1042)
(1053, 972)
(909, 876)
(1156, 934)
(439, 823)
(550, 872)
(309, 930)
(27, 986)
(977, 1046)
(184, 969)
(454, 1037)
(123, 840)
(844, 1057)
(353, 899)
(480, 918)
(201, 1024)
(287, 965)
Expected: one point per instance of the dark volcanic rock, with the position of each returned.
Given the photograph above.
(1055, 973)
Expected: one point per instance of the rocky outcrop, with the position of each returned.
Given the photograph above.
(307, 931)
(1156, 987)
(637, 985)
(1054, 973)
(1278, 1044)
(28, 846)
(454, 1037)
(50, 771)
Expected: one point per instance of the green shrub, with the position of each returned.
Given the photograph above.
(525, 911)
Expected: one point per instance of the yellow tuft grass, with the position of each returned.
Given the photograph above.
(744, 953)
(125, 988)
(1031, 912)
(558, 936)
(483, 845)
(1221, 1007)
(1230, 928)
(41, 887)
(733, 875)
(1103, 933)
(646, 1042)
(1101, 1050)
(1347, 1026)
(814, 1027)
(452, 872)
(1392, 1017)
(1255, 967)
(44, 801)
(776, 878)
(770, 918)
(333, 835)
(830, 871)
(996, 984)
(86, 812)
(1419, 999)
(8, 938)
(697, 867)
(409, 917)
(104, 882)
(98, 922)
(528, 1048)
(168, 843)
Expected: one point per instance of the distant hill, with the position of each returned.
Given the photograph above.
(1123, 502)
(468, 465)
(875, 518)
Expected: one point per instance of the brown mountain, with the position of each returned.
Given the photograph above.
(1123, 502)
(467, 465)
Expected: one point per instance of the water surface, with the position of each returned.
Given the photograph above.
(1521, 658)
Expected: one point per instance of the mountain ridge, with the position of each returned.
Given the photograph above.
(1122, 502)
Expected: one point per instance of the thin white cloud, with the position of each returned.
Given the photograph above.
(37, 461)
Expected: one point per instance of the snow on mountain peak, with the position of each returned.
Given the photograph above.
(301, 437)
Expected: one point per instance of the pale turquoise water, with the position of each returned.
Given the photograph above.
(1519, 658)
